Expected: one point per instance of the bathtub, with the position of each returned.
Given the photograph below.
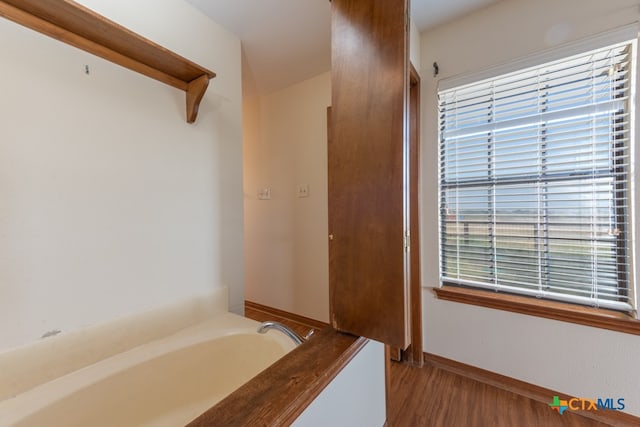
(166, 382)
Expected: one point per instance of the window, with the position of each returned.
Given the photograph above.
(535, 181)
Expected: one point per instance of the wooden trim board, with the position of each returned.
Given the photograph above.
(306, 321)
(565, 312)
(415, 287)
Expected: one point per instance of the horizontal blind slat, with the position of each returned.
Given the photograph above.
(533, 180)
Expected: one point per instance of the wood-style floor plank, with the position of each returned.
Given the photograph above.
(430, 396)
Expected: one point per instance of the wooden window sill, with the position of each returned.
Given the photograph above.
(595, 317)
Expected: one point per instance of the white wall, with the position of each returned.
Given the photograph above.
(579, 360)
(355, 397)
(111, 204)
(415, 47)
(286, 245)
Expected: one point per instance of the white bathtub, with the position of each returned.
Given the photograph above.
(166, 382)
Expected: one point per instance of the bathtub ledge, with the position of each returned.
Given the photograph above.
(279, 394)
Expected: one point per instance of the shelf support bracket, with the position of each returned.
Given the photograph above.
(195, 92)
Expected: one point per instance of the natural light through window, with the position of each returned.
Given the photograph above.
(534, 181)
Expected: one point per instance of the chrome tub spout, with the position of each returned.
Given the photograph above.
(265, 326)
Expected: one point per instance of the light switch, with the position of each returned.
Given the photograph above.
(264, 194)
(303, 190)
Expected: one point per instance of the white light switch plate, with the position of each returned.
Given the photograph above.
(264, 194)
(303, 190)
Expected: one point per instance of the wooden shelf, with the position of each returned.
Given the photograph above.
(79, 26)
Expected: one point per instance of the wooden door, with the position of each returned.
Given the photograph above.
(368, 266)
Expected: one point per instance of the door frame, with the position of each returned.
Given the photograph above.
(414, 353)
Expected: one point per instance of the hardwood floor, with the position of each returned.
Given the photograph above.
(430, 396)
(433, 397)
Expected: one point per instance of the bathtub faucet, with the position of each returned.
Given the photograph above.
(265, 326)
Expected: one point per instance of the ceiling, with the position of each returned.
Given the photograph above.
(287, 41)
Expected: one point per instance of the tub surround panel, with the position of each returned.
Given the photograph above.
(26, 367)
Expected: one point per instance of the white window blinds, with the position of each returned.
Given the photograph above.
(534, 170)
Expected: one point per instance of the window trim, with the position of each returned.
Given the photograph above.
(625, 322)
(561, 311)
